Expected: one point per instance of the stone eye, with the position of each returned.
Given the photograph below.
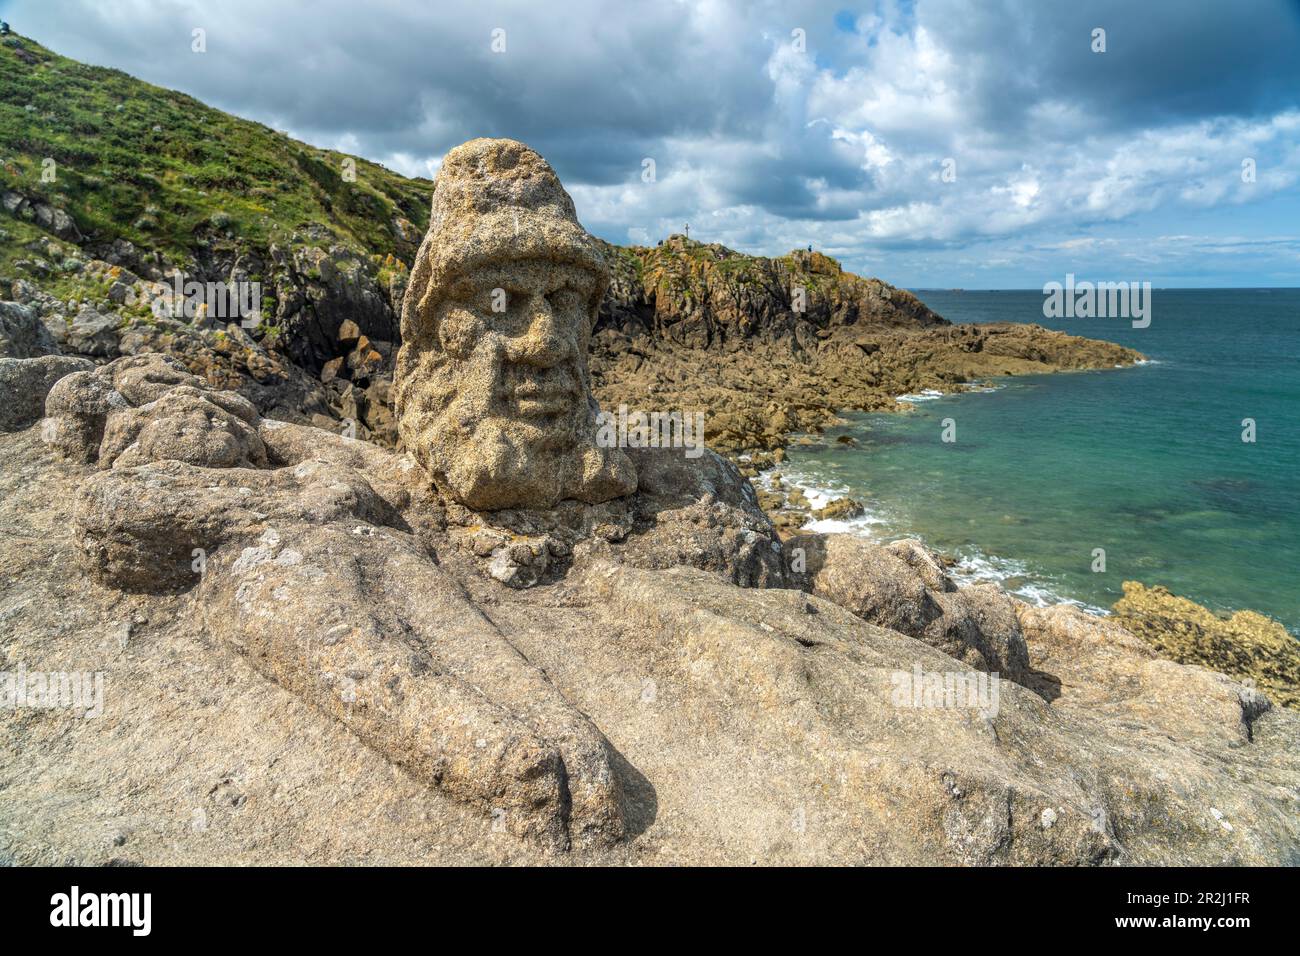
(563, 298)
(459, 330)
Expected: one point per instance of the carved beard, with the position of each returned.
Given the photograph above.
(491, 447)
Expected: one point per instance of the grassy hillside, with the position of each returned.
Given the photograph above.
(164, 171)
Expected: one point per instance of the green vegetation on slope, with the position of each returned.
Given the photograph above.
(164, 171)
(173, 176)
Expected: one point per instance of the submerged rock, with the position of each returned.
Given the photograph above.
(839, 510)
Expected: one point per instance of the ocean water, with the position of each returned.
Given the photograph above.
(1146, 463)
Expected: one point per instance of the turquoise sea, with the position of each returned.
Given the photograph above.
(1146, 463)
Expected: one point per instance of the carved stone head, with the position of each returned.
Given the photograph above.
(493, 393)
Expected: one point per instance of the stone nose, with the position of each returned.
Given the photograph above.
(543, 342)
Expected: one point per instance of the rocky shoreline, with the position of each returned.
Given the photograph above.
(757, 701)
(764, 386)
(700, 327)
(362, 590)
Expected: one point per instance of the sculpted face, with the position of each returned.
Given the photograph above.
(493, 395)
(502, 416)
(522, 329)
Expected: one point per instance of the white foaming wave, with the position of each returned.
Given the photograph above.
(979, 568)
(974, 568)
(858, 525)
(819, 498)
(820, 493)
(924, 395)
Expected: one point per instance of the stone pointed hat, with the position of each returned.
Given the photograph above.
(494, 200)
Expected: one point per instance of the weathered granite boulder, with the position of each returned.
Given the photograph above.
(305, 567)
(902, 586)
(22, 334)
(493, 395)
(301, 547)
(24, 383)
(92, 333)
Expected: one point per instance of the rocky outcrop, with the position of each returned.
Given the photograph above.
(711, 297)
(48, 217)
(627, 705)
(902, 586)
(22, 334)
(300, 548)
(301, 559)
(757, 397)
(493, 394)
(322, 353)
(337, 656)
(770, 347)
(1249, 646)
(24, 383)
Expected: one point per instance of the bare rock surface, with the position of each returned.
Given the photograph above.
(902, 586)
(338, 655)
(24, 383)
(22, 334)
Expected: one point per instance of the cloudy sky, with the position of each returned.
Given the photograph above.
(934, 143)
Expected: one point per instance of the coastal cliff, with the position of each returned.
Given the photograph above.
(768, 348)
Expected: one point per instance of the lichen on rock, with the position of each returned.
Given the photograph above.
(1245, 644)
